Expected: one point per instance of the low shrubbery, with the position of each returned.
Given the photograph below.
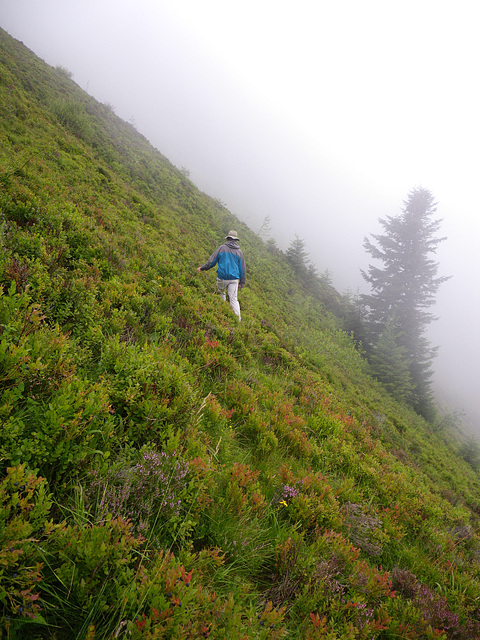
(166, 472)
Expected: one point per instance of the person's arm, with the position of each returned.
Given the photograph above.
(211, 262)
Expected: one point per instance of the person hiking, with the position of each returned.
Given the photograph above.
(231, 271)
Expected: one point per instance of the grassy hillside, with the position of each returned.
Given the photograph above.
(167, 472)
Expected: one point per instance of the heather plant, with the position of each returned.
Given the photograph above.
(150, 492)
(363, 530)
(285, 494)
(405, 582)
(288, 578)
(435, 610)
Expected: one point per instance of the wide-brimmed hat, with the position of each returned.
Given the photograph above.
(232, 234)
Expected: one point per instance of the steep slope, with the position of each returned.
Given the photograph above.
(167, 472)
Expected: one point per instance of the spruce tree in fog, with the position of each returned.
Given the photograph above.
(403, 287)
(390, 364)
(298, 256)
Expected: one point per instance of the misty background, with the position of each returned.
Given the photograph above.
(320, 115)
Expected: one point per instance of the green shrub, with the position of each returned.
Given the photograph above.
(50, 417)
(24, 512)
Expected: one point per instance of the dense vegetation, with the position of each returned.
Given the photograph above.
(167, 472)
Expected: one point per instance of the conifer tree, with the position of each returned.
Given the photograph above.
(404, 287)
(353, 315)
(389, 362)
(470, 452)
(297, 256)
(266, 228)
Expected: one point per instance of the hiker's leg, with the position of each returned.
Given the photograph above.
(221, 286)
(232, 288)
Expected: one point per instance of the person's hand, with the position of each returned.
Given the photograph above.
(199, 268)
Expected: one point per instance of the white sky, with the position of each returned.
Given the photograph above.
(321, 114)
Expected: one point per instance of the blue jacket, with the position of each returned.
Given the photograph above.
(231, 263)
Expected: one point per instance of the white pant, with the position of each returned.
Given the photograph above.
(231, 287)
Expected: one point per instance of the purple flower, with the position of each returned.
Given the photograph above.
(288, 493)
